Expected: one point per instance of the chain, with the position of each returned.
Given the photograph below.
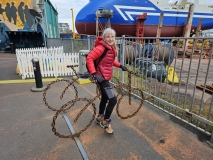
(72, 102)
(127, 89)
(45, 93)
(69, 104)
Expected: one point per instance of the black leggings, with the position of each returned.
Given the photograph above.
(112, 102)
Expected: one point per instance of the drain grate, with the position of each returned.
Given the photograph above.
(209, 88)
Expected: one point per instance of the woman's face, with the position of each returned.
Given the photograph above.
(109, 38)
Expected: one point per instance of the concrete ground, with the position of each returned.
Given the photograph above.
(26, 131)
(8, 64)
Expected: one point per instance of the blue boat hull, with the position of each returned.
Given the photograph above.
(124, 18)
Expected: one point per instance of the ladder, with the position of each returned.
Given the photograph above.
(140, 26)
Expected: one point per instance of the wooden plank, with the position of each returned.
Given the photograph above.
(159, 27)
(210, 90)
(189, 20)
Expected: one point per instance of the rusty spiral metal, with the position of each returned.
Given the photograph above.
(123, 91)
(71, 103)
(53, 82)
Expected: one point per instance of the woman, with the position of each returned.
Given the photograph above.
(103, 73)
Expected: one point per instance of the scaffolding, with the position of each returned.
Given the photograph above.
(103, 13)
(140, 26)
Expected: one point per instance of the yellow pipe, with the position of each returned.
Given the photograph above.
(73, 28)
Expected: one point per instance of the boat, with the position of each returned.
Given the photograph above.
(125, 13)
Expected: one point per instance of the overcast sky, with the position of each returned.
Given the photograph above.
(63, 7)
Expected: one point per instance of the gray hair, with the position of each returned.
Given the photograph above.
(108, 30)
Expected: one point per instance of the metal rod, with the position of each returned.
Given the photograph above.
(123, 55)
(88, 40)
(210, 108)
(77, 141)
(187, 81)
(211, 140)
(184, 52)
(207, 72)
(73, 25)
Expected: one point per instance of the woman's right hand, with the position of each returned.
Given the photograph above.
(98, 77)
(124, 68)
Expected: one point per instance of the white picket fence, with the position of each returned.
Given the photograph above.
(52, 61)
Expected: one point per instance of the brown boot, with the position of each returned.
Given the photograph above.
(99, 119)
(105, 124)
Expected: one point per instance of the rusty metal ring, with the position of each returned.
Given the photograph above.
(72, 102)
(122, 95)
(48, 87)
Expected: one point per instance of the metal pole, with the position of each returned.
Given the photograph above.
(97, 27)
(46, 24)
(41, 6)
(73, 26)
(39, 85)
(37, 73)
(44, 29)
(123, 55)
(211, 140)
(77, 140)
(88, 40)
(72, 44)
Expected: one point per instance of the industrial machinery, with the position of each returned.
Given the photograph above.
(103, 13)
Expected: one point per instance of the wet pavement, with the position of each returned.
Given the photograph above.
(26, 131)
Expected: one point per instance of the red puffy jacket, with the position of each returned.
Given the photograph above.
(105, 66)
